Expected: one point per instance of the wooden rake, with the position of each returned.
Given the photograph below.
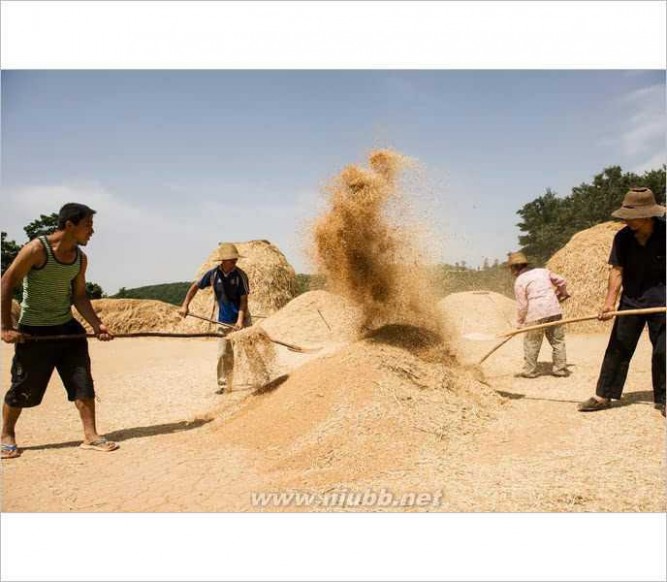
(510, 334)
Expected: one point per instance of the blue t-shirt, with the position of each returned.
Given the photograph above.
(228, 290)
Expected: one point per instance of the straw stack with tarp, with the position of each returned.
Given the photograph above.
(583, 261)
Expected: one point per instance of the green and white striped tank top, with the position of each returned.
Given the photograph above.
(47, 290)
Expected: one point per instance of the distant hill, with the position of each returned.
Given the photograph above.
(173, 293)
(448, 279)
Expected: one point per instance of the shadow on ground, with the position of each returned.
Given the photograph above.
(271, 386)
(419, 341)
(130, 433)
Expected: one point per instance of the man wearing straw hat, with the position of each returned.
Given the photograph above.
(231, 289)
(538, 295)
(53, 271)
(637, 262)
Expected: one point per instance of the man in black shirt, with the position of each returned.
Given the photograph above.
(638, 265)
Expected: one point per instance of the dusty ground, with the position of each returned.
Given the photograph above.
(536, 454)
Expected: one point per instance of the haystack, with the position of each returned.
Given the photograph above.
(474, 312)
(315, 317)
(368, 412)
(272, 283)
(583, 262)
(134, 315)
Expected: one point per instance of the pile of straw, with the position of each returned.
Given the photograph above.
(272, 283)
(583, 262)
(315, 318)
(134, 315)
(474, 312)
(370, 409)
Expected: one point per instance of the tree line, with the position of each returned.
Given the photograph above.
(549, 221)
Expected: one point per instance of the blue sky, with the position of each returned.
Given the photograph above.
(176, 161)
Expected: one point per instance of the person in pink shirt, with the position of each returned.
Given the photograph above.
(539, 293)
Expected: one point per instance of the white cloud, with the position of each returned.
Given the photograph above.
(642, 135)
(143, 242)
(655, 162)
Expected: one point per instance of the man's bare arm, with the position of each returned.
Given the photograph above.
(192, 291)
(31, 255)
(84, 306)
(613, 289)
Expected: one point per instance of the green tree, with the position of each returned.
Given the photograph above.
(94, 291)
(549, 221)
(9, 251)
(543, 222)
(42, 226)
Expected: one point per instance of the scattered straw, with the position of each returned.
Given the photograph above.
(254, 354)
(364, 256)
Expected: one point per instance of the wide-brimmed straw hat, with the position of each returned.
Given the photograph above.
(227, 252)
(639, 203)
(516, 259)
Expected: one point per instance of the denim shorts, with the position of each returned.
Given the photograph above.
(34, 362)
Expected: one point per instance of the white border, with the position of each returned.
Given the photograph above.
(422, 35)
(466, 547)
(333, 34)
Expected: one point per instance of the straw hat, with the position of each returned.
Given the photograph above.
(227, 252)
(639, 203)
(516, 259)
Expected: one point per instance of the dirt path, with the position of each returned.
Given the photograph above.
(539, 454)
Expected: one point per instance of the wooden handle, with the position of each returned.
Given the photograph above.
(645, 311)
(44, 338)
(291, 347)
(211, 320)
(496, 347)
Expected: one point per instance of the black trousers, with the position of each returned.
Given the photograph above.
(622, 344)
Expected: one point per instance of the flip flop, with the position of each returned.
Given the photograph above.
(101, 444)
(9, 451)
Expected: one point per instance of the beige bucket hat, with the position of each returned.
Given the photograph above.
(516, 259)
(639, 203)
(227, 252)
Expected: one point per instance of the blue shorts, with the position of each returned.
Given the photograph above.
(34, 362)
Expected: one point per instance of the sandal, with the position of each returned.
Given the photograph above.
(593, 404)
(9, 451)
(101, 444)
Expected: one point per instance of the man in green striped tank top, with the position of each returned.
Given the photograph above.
(53, 272)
